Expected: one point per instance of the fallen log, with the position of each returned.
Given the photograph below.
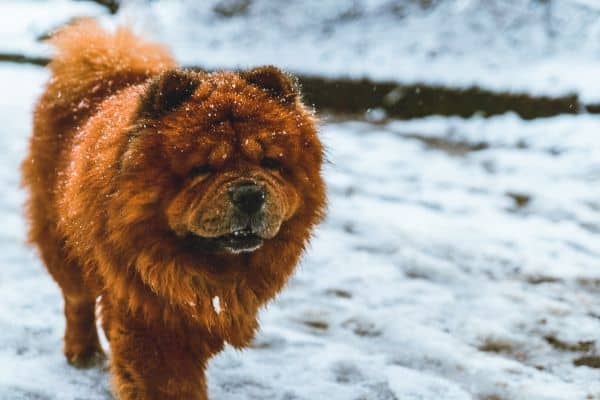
(405, 101)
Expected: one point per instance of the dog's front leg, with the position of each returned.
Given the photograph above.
(152, 362)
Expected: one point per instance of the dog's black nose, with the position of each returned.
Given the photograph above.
(247, 197)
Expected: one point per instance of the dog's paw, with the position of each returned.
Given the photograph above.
(86, 358)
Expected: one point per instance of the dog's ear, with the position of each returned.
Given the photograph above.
(167, 91)
(279, 84)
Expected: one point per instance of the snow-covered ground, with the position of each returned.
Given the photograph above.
(536, 46)
(460, 260)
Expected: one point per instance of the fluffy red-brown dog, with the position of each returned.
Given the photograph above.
(181, 200)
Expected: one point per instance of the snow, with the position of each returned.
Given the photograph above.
(426, 281)
(533, 46)
(542, 47)
(410, 385)
(216, 303)
(23, 22)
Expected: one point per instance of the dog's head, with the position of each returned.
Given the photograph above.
(232, 157)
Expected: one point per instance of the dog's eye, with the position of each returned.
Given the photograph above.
(200, 170)
(271, 163)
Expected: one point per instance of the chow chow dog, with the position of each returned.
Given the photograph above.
(171, 204)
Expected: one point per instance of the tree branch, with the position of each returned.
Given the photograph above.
(112, 5)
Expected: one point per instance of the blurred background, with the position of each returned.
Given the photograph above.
(460, 258)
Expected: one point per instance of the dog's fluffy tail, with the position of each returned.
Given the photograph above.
(91, 64)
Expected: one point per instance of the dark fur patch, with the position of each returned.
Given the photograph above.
(278, 83)
(167, 91)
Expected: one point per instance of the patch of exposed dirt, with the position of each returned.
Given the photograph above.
(583, 346)
(588, 361)
(451, 147)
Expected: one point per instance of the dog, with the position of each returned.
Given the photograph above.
(174, 202)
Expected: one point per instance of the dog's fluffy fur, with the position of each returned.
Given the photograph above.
(129, 173)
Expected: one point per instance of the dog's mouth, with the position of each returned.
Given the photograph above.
(238, 241)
